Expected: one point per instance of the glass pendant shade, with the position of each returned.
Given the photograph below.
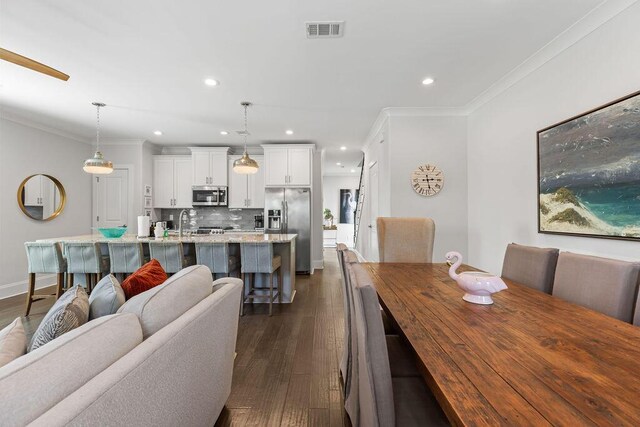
(245, 165)
(98, 165)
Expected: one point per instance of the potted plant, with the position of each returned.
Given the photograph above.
(328, 218)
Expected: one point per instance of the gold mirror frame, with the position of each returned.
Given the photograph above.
(59, 186)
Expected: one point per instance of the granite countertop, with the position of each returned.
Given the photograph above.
(229, 238)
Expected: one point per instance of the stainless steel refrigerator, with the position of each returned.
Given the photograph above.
(288, 211)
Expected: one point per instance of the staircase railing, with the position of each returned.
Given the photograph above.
(359, 206)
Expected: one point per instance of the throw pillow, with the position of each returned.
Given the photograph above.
(106, 298)
(13, 342)
(146, 277)
(70, 311)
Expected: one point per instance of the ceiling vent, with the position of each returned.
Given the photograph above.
(323, 30)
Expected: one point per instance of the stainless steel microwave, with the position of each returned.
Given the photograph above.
(206, 195)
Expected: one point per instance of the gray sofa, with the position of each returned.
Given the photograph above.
(105, 373)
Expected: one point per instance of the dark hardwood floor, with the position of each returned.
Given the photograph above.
(287, 368)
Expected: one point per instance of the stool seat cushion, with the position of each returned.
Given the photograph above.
(70, 311)
(146, 277)
(13, 342)
(106, 298)
(163, 304)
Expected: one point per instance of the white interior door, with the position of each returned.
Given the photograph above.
(111, 199)
(373, 212)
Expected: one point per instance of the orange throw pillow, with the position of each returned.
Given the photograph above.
(146, 277)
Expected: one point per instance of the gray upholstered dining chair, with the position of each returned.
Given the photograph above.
(215, 255)
(530, 266)
(44, 258)
(383, 398)
(258, 258)
(125, 257)
(601, 284)
(341, 248)
(636, 315)
(85, 258)
(170, 254)
(405, 239)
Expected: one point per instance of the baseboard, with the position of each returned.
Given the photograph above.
(17, 288)
(360, 257)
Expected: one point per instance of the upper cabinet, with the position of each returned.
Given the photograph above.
(172, 181)
(288, 165)
(246, 191)
(209, 166)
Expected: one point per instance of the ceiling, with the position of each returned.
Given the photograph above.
(349, 160)
(147, 61)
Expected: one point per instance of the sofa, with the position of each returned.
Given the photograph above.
(165, 362)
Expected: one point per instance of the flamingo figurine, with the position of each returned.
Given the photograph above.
(478, 286)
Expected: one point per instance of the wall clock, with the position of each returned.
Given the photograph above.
(427, 180)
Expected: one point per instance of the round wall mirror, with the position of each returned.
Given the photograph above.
(41, 197)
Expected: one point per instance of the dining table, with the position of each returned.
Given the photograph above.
(527, 359)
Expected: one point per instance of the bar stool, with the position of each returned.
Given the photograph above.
(215, 255)
(44, 258)
(169, 254)
(257, 257)
(85, 258)
(125, 257)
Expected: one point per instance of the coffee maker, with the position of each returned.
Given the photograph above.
(259, 221)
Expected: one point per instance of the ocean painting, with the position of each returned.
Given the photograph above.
(589, 173)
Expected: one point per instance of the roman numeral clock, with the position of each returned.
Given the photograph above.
(427, 180)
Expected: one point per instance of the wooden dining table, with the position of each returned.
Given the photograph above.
(528, 359)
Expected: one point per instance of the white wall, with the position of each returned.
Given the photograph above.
(331, 186)
(401, 145)
(25, 151)
(414, 141)
(603, 66)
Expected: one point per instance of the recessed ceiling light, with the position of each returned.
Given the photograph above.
(211, 82)
(428, 81)
(338, 164)
(224, 132)
(353, 170)
(157, 132)
(343, 148)
(289, 132)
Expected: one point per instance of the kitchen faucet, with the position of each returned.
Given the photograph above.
(183, 211)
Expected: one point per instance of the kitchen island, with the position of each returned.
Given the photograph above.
(283, 245)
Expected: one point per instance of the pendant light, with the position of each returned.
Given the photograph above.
(245, 164)
(97, 164)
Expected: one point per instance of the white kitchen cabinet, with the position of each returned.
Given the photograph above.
(33, 191)
(209, 166)
(246, 191)
(172, 177)
(288, 165)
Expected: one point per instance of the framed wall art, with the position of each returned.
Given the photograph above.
(589, 173)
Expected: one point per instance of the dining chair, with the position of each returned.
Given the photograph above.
(383, 399)
(215, 255)
(636, 315)
(44, 258)
(530, 266)
(405, 239)
(601, 284)
(85, 258)
(341, 248)
(258, 258)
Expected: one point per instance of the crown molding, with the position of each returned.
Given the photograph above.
(21, 120)
(118, 141)
(593, 20)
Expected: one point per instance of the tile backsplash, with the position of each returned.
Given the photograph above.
(240, 219)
